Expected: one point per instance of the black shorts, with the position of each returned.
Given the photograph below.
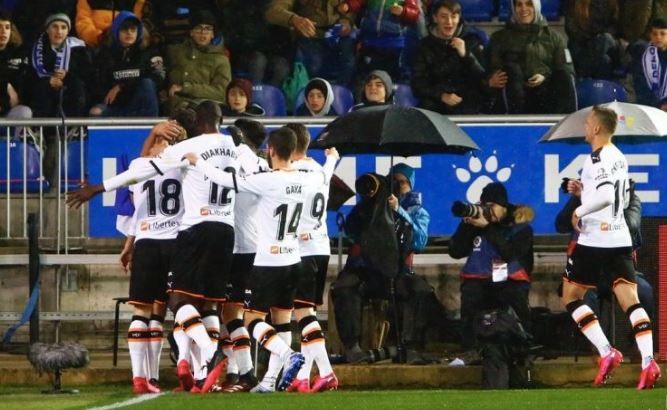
(586, 265)
(202, 261)
(151, 263)
(310, 289)
(273, 287)
(239, 276)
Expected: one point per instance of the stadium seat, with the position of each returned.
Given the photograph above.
(477, 10)
(343, 99)
(271, 99)
(72, 179)
(591, 92)
(33, 175)
(403, 96)
(551, 9)
(481, 34)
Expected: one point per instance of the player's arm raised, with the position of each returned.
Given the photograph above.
(330, 164)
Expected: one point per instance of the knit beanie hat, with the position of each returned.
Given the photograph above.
(58, 17)
(407, 171)
(495, 192)
(386, 80)
(243, 84)
(202, 17)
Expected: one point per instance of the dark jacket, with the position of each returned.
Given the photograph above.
(168, 21)
(378, 23)
(303, 111)
(94, 17)
(439, 69)
(645, 95)
(14, 70)
(324, 13)
(253, 110)
(126, 66)
(537, 48)
(511, 241)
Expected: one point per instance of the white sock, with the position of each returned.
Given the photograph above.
(155, 348)
(137, 342)
(197, 366)
(276, 361)
(316, 348)
(183, 342)
(242, 355)
(228, 350)
(591, 329)
(191, 321)
(641, 325)
(266, 336)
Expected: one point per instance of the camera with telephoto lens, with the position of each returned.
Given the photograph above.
(463, 209)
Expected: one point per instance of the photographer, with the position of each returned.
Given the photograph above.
(497, 239)
(386, 229)
(633, 218)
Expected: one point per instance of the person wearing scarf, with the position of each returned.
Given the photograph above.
(448, 77)
(61, 67)
(318, 100)
(536, 63)
(650, 68)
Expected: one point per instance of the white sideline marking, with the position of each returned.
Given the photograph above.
(136, 400)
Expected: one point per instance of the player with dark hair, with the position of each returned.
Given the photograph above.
(277, 265)
(605, 245)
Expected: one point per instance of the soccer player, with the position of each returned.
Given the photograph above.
(605, 245)
(277, 265)
(234, 336)
(147, 255)
(204, 243)
(315, 251)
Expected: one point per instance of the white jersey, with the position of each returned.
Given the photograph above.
(605, 228)
(313, 235)
(158, 204)
(204, 200)
(245, 226)
(281, 202)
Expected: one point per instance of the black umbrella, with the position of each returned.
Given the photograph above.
(394, 130)
(339, 193)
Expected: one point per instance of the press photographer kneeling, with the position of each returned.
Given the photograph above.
(497, 239)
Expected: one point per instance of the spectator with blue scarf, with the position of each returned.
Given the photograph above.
(650, 68)
(499, 246)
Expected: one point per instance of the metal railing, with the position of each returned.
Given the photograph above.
(47, 136)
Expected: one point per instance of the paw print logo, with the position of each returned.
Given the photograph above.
(481, 175)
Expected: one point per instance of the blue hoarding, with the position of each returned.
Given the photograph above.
(508, 153)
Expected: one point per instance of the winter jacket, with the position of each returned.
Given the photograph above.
(168, 21)
(323, 13)
(126, 66)
(203, 72)
(377, 22)
(253, 110)
(94, 17)
(439, 69)
(14, 70)
(537, 49)
(80, 65)
(509, 242)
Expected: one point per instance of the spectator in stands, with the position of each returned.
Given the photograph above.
(318, 100)
(94, 17)
(535, 59)
(363, 279)
(263, 52)
(498, 243)
(29, 16)
(239, 100)
(633, 218)
(198, 70)
(13, 71)
(129, 75)
(649, 71)
(168, 21)
(636, 16)
(382, 33)
(331, 58)
(378, 90)
(448, 77)
(62, 71)
(592, 33)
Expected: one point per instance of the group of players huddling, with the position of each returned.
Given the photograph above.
(218, 235)
(255, 232)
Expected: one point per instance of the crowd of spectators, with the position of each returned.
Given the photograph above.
(148, 58)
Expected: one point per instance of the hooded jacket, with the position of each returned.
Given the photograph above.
(94, 17)
(378, 23)
(536, 47)
(509, 242)
(388, 87)
(204, 72)
(439, 69)
(324, 13)
(122, 66)
(327, 110)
